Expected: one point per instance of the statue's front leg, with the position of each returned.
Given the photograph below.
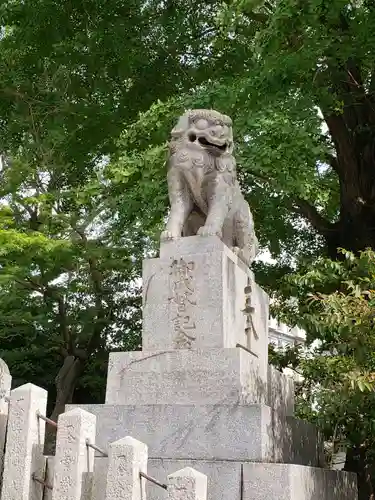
(218, 201)
(181, 205)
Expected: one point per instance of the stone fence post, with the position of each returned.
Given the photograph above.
(187, 484)
(127, 457)
(24, 444)
(5, 385)
(74, 461)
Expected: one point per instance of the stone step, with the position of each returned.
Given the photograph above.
(251, 481)
(238, 480)
(221, 432)
(195, 376)
(296, 482)
(184, 376)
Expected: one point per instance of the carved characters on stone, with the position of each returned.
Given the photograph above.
(204, 193)
(182, 297)
(249, 312)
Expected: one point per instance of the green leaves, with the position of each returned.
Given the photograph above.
(72, 235)
(89, 93)
(339, 364)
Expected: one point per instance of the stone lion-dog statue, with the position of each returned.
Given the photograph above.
(204, 192)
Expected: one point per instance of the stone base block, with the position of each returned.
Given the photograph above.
(189, 376)
(295, 482)
(195, 296)
(93, 483)
(207, 376)
(237, 480)
(280, 392)
(221, 432)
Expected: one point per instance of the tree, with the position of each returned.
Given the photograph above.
(72, 75)
(296, 76)
(318, 54)
(68, 291)
(337, 392)
(303, 78)
(300, 91)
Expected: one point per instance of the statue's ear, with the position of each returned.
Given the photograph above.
(182, 125)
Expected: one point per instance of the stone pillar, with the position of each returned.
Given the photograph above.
(24, 444)
(187, 484)
(74, 460)
(197, 332)
(5, 385)
(196, 296)
(127, 457)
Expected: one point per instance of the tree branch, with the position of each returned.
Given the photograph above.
(30, 285)
(97, 283)
(259, 176)
(52, 294)
(64, 328)
(309, 212)
(337, 128)
(304, 208)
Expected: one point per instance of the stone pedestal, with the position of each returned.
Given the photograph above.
(201, 393)
(189, 376)
(222, 431)
(195, 297)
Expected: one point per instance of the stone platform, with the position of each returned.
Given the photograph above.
(201, 392)
(210, 432)
(239, 480)
(184, 376)
(250, 481)
(195, 376)
(194, 296)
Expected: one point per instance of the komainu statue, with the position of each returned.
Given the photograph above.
(204, 193)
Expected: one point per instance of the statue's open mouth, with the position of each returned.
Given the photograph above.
(205, 143)
(218, 145)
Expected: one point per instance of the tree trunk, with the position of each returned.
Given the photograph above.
(66, 382)
(353, 134)
(355, 462)
(355, 230)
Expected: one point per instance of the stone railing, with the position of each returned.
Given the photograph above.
(75, 472)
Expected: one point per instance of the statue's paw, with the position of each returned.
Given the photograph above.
(168, 235)
(209, 231)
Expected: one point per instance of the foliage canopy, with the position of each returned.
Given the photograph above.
(89, 92)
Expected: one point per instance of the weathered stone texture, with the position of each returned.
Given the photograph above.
(223, 431)
(216, 280)
(189, 376)
(5, 386)
(280, 392)
(74, 460)
(127, 457)
(24, 444)
(295, 482)
(187, 484)
(202, 174)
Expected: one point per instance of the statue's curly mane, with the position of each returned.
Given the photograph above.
(209, 114)
(180, 143)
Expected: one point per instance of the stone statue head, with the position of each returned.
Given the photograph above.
(206, 129)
